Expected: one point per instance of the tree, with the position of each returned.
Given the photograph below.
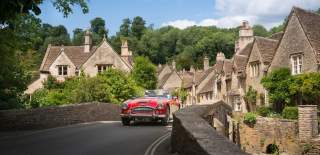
(318, 12)
(277, 84)
(98, 30)
(78, 37)
(261, 31)
(125, 27)
(144, 73)
(138, 27)
(11, 9)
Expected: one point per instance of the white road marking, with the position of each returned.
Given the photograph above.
(151, 149)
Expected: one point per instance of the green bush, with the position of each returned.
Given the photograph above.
(250, 118)
(290, 113)
(264, 111)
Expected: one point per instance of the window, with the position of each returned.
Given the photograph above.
(254, 69)
(228, 85)
(296, 64)
(63, 70)
(103, 67)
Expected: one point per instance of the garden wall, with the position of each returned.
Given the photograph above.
(281, 132)
(49, 117)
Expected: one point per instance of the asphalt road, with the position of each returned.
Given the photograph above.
(105, 138)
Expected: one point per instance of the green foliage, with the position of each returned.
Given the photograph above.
(251, 95)
(181, 93)
(261, 31)
(277, 84)
(111, 86)
(290, 113)
(98, 30)
(125, 28)
(138, 27)
(144, 73)
(11, 9)
(306, 88)
(250, 118)
(78, 37)
(264, 111)
(121, 86)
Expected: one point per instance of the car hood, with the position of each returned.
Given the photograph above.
(145, 101)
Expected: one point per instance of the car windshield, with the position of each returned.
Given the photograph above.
(157, 93)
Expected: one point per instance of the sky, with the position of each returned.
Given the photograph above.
(177, 13)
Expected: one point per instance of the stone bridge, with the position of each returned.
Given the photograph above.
(193, 131)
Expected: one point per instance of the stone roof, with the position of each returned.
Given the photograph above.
(187, 79)
(277, 36)
(218, 67)
(240, 62)
(163, 80)
(208, 87)
(75, 53)
(246, 50)
(227, 66)
(267, 48)
(310, 22)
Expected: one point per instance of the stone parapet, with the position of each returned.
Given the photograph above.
(49, 117)
(192, 134)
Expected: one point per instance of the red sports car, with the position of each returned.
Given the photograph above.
(154, 106)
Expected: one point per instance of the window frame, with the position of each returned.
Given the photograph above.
(103, 67)
(62, 70)
(296, 64)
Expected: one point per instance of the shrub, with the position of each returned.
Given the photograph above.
(264, 111)
(38, 98)
(290, 113)
(250, 118)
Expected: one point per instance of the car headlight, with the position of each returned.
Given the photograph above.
(160, 106)
(124, 106)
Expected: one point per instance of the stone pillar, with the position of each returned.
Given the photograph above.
(308, 123)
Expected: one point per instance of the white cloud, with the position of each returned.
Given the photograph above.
(225, 22)
(265, 12)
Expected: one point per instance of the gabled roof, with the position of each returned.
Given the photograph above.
(208, 87)
(163, 80)
(310, 23)
(75, 53)
(267, 48)
(227, 66)
(240, 62)
(277, 36)
(218, 67)
(187, 79)
(246, 50)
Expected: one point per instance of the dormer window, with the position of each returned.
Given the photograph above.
(63, 70)
(296, 64)
(103, 67)
(254, 69)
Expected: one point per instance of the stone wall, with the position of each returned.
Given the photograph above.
(281, 132)
(49, 117)
(192, 134)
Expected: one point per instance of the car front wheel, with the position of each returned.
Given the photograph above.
(125, 121)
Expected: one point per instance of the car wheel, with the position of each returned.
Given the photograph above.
(165, 120)
(125, 121)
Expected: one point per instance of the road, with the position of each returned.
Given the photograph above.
(107, 138)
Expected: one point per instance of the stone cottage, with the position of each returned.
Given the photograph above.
(299, 47)
(68, 61)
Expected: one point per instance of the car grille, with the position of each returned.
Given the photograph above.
(142, 110)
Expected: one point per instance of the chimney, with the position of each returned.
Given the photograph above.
(125, 53)
(87, 41)
(245, 35)
(220, 56)
(192, 69)
(205, 63)
(174, 65)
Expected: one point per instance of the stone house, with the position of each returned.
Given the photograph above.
(299, 47)
(67, 61)
(260, 57)
(229, 82)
